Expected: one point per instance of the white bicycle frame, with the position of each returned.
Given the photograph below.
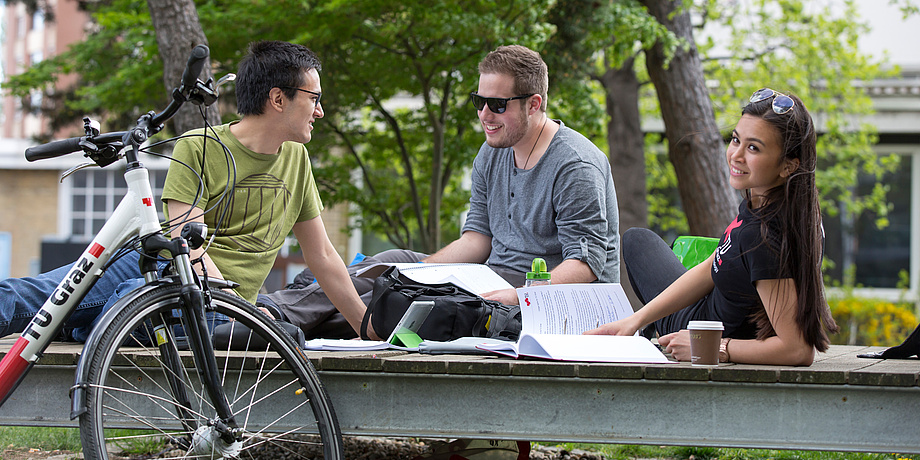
(135, 215)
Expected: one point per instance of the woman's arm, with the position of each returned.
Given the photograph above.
(690, 287)
(787, 347)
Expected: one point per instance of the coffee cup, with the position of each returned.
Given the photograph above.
(704, 342)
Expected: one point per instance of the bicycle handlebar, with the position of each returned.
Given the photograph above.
(53, 149)
(193, 66)
(74, 144)
(66, 146)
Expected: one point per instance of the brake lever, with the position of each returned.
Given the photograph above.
(207, 92)
(224, 79)
(76, 168)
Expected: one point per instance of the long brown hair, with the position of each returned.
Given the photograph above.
(793, 208)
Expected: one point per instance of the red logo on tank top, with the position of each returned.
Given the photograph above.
(726, 243)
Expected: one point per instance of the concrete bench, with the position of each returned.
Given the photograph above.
(840, 403)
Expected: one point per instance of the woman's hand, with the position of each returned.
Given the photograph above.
(505, 296)
(677, 344)
(624, 326)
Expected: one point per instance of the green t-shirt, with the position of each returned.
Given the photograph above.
(272, 193)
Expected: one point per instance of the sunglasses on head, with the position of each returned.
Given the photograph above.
(496, 104)
(781, 103)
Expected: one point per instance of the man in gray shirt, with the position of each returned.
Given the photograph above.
(540, 189)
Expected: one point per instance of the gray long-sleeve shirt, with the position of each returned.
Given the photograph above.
(565, 207)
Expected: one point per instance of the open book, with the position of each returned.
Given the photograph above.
(554, 317)
(592, 348)
(476, 278)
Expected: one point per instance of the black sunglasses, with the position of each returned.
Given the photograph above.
(781, 103)
(496, 104)
(318, 95)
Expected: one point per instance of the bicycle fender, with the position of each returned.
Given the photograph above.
(78, 390)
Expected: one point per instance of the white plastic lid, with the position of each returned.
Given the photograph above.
(705, 325)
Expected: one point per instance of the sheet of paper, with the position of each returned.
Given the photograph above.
(476, 278)
(571, 308)
(588, 348)
(591, 348)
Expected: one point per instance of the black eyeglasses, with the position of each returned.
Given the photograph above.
(496, 104)
(781, 103)
(318, 95)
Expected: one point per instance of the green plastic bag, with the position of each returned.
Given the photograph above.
(691, 250)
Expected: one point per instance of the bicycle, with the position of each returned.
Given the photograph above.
(149, 374)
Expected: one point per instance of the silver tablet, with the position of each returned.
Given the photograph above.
(413, 319)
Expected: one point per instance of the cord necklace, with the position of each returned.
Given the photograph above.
(535, 144)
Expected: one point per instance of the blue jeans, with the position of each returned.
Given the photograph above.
(23, 297)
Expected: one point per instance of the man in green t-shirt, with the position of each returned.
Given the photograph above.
(278, 95)
(273, 192)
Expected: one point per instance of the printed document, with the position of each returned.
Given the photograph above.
(555, 316)
(571, 308)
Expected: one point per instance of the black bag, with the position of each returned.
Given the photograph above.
(457, 312)
(906, 350)
(234, 335)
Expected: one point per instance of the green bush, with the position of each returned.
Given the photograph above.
(871, 322)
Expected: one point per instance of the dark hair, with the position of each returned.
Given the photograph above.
(524, 65)
(271, 64)
(793, 207)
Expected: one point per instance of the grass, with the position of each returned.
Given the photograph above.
(630, 452)
(40, 438)
(69, 439)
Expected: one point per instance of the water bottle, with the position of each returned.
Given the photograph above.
(538, 275)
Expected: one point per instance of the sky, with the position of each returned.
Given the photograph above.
(901, 38)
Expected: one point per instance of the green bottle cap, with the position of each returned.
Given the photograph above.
(538, 267)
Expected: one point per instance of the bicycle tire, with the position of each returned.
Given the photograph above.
(275, 394)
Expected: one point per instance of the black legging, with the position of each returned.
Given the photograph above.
(652, 267)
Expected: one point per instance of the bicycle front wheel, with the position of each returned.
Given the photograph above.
(145, 397)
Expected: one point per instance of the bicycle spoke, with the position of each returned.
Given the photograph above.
(272, 392)
(154, 398)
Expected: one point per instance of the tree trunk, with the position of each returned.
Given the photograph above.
(695, 146)
(626, 143)
(178, 32)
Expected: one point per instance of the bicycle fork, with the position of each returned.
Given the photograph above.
(192, 305)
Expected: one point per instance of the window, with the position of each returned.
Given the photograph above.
(879, 256)
(35, 101)
(88, 198)
(38, 19)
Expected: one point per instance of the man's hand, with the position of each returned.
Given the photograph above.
(505, 296)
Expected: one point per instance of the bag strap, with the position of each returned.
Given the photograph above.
(387, 279)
